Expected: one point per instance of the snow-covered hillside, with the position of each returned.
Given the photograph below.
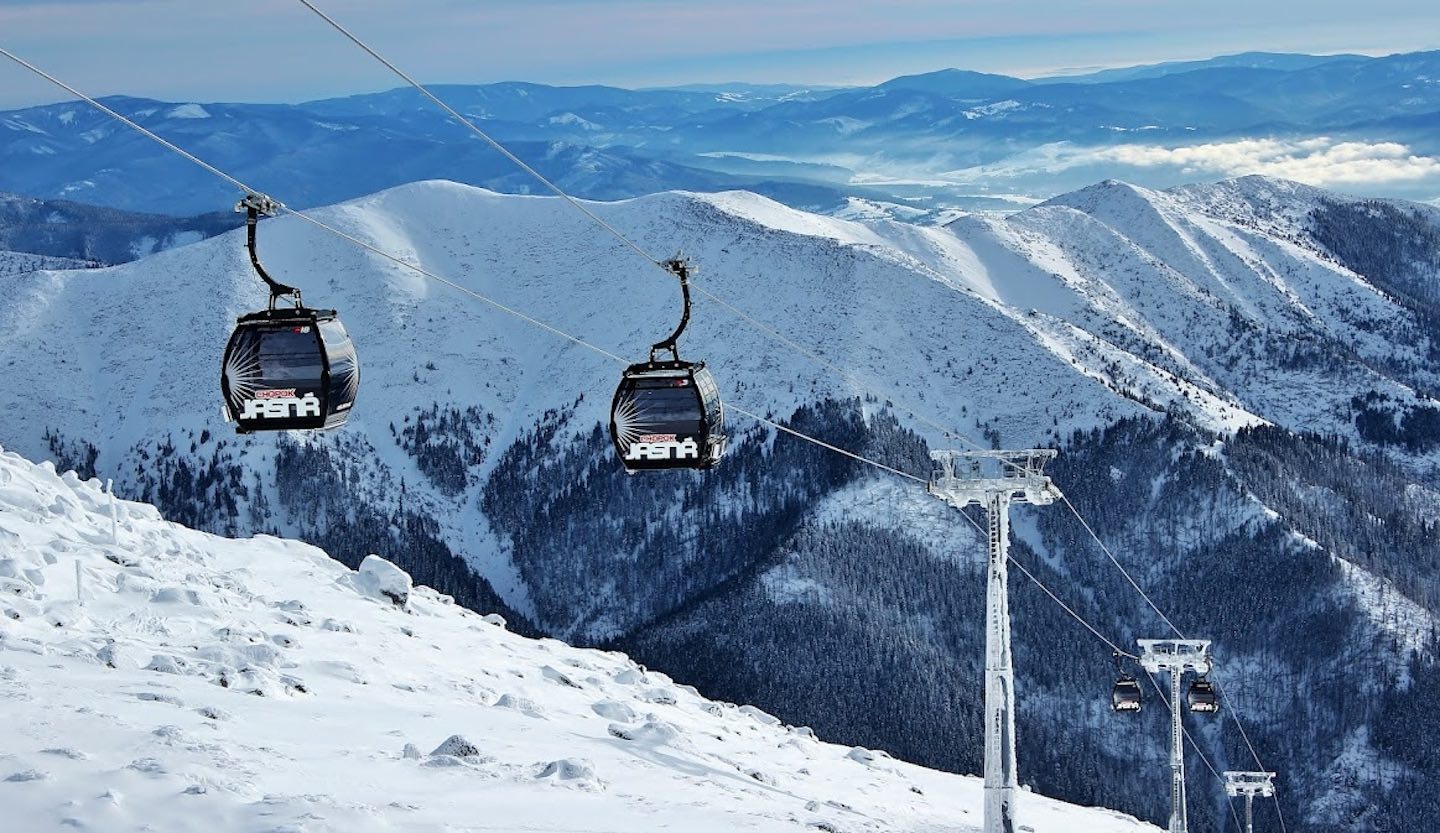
(1146, 333)
(16, 263)
(1111, 302)
(1100, 304)
(156, 678)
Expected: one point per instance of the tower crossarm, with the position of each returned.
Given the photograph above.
(1250, 783)
(1175, 655)
(961, 478)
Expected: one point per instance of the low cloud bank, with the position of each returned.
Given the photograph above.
(1318, 161)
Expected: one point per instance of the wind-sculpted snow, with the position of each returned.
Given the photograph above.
(160, 679)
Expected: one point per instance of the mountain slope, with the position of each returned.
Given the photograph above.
(1217, 363)
(161, 679)
(14, 263)
(64, 229)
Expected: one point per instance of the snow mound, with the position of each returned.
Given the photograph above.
(160, 679)
(456, 746)
(379, 579)
(571, 772)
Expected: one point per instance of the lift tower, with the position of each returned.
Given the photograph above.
(995, 479)
(1176, 656)
(1250, 784)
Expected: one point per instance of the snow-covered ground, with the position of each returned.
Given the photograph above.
(168, 680)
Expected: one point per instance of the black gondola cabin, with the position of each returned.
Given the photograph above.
(667, 415)
(1126, 695)
(1202, 697)
(289, 369)
(286, 368)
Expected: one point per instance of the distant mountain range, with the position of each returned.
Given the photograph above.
(1285, 61)
(65, 229)
(925, 143)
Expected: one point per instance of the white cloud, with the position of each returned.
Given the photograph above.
(1317, 161)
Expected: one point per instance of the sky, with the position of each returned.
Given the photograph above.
(279, 51)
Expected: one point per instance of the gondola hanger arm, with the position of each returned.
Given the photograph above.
(680, 267)
(254, 205)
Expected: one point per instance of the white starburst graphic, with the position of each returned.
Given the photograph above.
(631, 421)
(242, 371)
(352, 382)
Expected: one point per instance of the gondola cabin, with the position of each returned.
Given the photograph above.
(667, 415)
(1202, 698)
(288, 369)
(1126, 695)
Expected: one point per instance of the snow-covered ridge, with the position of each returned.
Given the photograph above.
(1107, 302)
(1110, 302)
(16, 263)
(163, 679)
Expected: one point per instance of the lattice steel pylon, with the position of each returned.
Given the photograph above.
(1176, 656)
(1250, 784)
(995, 479)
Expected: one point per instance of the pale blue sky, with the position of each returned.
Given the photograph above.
(276, 50)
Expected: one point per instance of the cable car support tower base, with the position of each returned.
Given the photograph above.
(995, 479)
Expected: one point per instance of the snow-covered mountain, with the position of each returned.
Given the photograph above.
(160, 679)
(1241, 392)
(1214, 302)
(64, 229)
(14, 263)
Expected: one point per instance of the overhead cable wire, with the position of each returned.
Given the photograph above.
(1113, 560)
(844, 374)
(136, 127)
(1077, 617)
(729, 406)
(499, 148)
